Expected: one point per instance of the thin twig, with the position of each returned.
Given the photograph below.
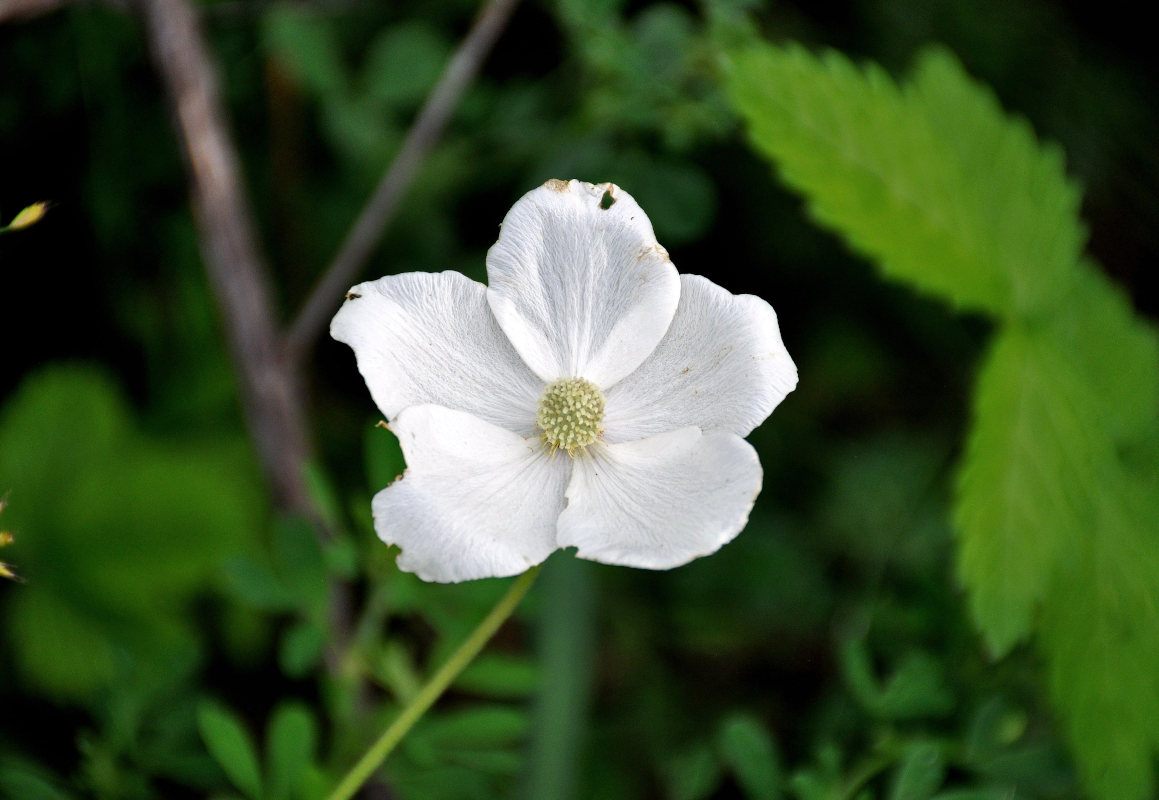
(270, 396)
(368, 230)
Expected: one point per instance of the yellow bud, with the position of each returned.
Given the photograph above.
(29, 216)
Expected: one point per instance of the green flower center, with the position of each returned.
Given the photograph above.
(571, 411)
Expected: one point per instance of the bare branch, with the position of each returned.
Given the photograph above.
(270, 395)
(428, 127)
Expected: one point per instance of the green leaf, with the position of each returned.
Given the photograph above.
(823, 780)
(931, 180)
(914, 690)
(1030, 460)
(231, 746)
(394, 668)
(1054, 526)
(1100, 635)
(747, 748)
(919, 774)
(290, 750)
(500, 676)
(23, 780)
(40, 424)
(66, 652)
(1113, 350)
(483, 727)
(118, 531)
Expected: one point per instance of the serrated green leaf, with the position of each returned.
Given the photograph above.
(920, 773)
(1100, 634)
(931, 180)
(1054, 526)
(1022, 492)
(1114, 351)
(231, 746)
(747, 748)
(290, 750)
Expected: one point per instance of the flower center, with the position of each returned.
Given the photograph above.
(570, 413)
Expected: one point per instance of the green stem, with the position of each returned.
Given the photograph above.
(372, 759)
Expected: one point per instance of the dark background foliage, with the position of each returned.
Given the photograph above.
(829, 641)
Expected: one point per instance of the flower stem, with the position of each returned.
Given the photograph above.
(372, 759)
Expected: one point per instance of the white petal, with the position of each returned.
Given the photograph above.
(476, 501)
(721, 366)
(425, 337)
(660, 502)
(581, 290)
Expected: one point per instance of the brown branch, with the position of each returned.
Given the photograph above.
(270, 395)
(368, 230)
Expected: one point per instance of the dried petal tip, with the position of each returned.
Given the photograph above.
(571, 415)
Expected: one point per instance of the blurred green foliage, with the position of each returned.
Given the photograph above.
(173, 637)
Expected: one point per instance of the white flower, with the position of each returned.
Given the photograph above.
(590, 397)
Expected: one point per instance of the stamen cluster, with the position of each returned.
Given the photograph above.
(570, 414)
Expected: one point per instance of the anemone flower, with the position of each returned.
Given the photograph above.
(589, 397)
